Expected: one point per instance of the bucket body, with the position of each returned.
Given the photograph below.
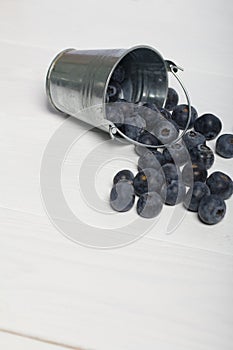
(77, 80)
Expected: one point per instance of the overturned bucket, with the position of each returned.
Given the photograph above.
(78, 80)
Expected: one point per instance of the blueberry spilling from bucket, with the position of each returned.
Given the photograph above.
(178, 172)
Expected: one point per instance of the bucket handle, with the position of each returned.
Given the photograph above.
(172, 68)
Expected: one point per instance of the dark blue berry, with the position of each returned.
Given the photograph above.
(148, 180)
(148, 139)
(150, 105)
(113, 91)
(220, 184)
(193, 138)
(224, 146)
(192, 173)
(119, 74)
(180, 116)
(176, 153)
(133, 127)
(127, 108)
(171, 172)
(195, 194)
(165, 132)
(173, 193)
(150, 160)
(150, 115)
(209, 125)
(212, 209)
(124, 175)
(165, 113)
(149, 205)
(202, 155)
(122, 196)
(172, 99)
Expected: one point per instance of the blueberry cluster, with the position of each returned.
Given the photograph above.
(179, 172)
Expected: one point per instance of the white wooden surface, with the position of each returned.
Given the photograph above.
(162, 292)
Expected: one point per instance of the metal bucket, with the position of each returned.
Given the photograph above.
(78, 79)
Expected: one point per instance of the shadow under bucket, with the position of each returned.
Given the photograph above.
(77, 80)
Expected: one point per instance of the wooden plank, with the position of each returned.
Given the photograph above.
(152, 292)
(12, 340)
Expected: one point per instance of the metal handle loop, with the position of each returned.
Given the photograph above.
(173, 68)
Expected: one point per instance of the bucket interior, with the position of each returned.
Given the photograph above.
(145, 77)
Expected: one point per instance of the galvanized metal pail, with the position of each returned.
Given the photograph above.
(77, 80)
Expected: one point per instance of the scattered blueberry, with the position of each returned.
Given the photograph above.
(176, 153)
(224, 145)
(113, 91)
(202, 155)
(211, 209)
(209, 125)
(173, 193)
(127, 108)
(192, 173)
(124, 175)
(165, 113)
(149, 115)
(165, 132)
(171, 172)
(119, 74)
(148, 139)
(140, 150)
(193, 138)
(220, 184)
(133, 126)
(148, 180)
(122, 196)
(172, 99)
(180, 115)
(150, 160)
(195, 194)
(149, 205)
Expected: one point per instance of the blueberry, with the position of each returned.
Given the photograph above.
(220, 184)
(180, 116)
(113, 91)
(195, 194)
(173, 193)
(134, 125)
(165, 113)
(211, 209)
(193, 138)
(202, 155)
(224, 145)
(118, 74)
(176, 153)
(149, 205)
(209, 125)
(150, 105)
(172, 99)
(127, 108)
(122, 196)
(192, 173)
(165, 132)
(171, 172)
(124, 175)
(148, 180)
(148, 139)
(140, 150)
(150, 160)
(149, 115)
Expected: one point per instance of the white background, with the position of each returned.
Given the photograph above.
(162, 292)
